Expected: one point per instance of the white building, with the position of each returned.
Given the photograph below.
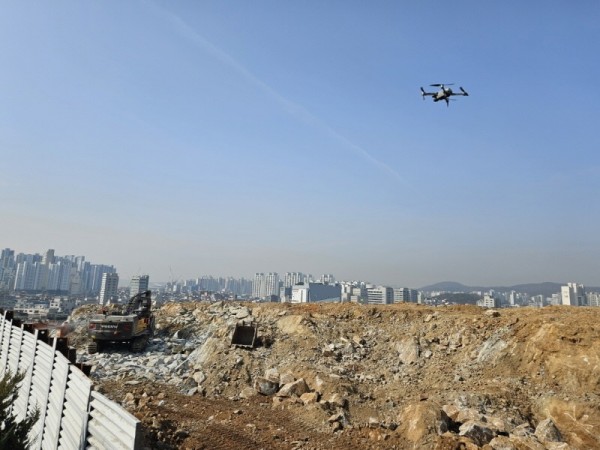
(380, 295)
(139, 283)
(292, 278)
(593, 298)
(258, 285)
(573, 294)
(354, 291)
(488, 301)
(327, 278)
(38, 311)
(346, 291)
(265, 285)
(406, 295)
(271, 284)
(63, 304)
(109, 287)
(316, 292)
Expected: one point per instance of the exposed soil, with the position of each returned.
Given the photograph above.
(398, 376)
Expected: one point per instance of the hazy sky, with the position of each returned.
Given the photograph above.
(233, 137)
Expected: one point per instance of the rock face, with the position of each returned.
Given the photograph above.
(400, 376)
(478, 432)
(546, 431)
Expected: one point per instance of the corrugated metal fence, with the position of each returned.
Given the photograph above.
(72, 415)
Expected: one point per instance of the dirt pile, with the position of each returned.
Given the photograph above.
(354, 376)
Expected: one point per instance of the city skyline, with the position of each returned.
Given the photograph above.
(90, 277)
(175, 139)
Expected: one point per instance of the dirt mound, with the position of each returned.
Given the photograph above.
(355, 376)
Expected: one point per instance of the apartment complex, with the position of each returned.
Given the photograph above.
(265, 285)
(50, 273)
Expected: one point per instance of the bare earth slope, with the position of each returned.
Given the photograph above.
(352, 376)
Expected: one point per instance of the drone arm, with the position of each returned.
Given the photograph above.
(423, 93)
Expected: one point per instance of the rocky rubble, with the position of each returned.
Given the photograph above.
(401, 376)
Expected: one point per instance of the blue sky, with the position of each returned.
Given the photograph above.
(230, 137)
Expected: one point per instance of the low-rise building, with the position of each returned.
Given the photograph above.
(488, 301)
(380, 295)
(316, 292)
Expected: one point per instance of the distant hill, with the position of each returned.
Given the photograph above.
(546, 289)
(447, 286)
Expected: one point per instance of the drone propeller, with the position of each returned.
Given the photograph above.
(465, 93)
(441, 84)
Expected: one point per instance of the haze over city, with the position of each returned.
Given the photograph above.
(227, 138)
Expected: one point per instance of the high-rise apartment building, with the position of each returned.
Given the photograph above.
(258, 285)
(271, 284)
(109, 288)
(139, 283)
(94, 281)
(7, 268)
(292, 278)
(26, 275)
(327, 278)
(265, 285)
(573, 294)
(48, 257)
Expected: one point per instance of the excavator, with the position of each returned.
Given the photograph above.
(132, 324)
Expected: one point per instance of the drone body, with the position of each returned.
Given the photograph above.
(444, 93)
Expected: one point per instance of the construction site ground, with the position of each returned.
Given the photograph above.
(348, 376)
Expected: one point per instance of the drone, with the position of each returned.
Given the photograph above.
(444, 93)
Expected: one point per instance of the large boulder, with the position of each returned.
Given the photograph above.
(265, 387)
(297, 388)
(419, 420)
(408, 351)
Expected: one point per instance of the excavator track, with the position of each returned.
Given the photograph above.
(92, 347)
(139, 344)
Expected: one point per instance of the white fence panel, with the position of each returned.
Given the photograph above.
(14, 350)
(40, 389)
(25, 366)
(111, 426)
(6, 330)
(56, 400)
(71, 415)
(76, 409)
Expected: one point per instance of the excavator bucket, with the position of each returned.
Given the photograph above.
(244, 335)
